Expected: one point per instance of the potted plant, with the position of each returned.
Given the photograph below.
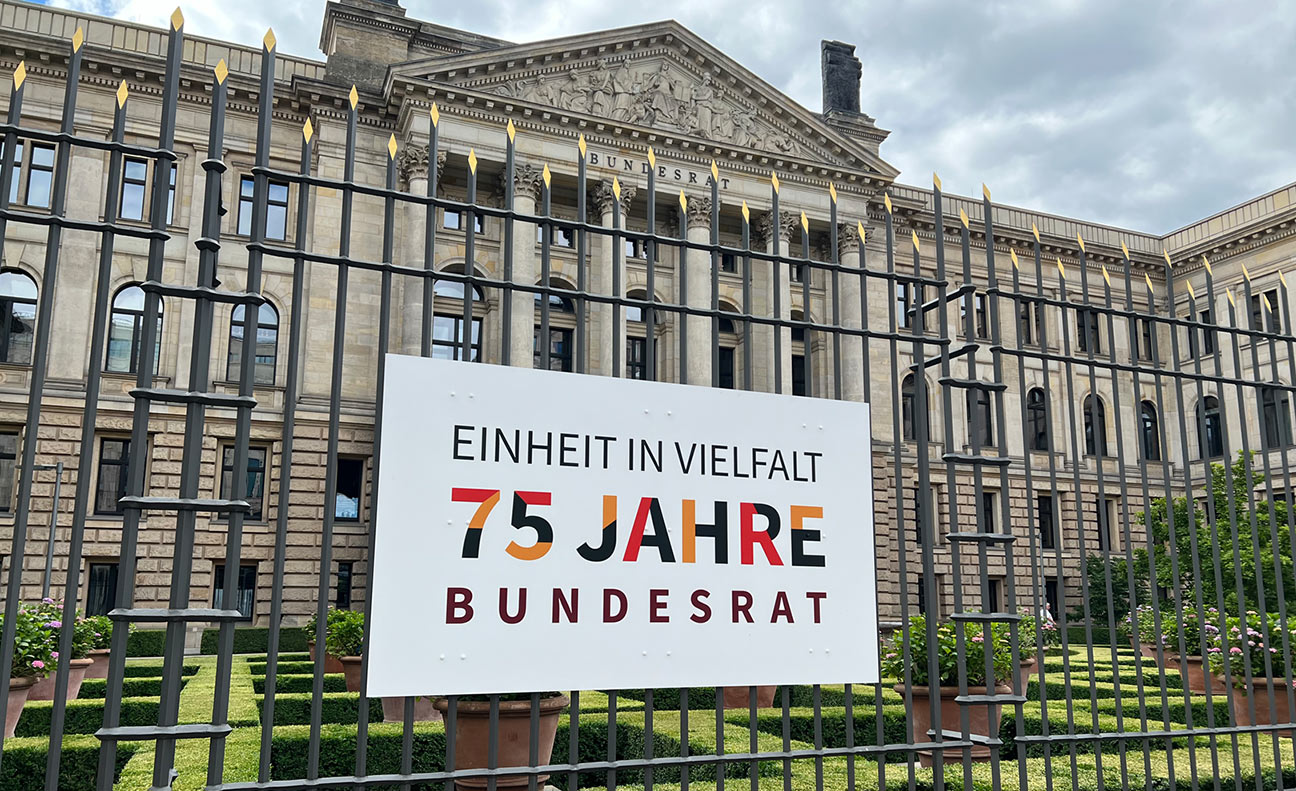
(79, 661)
(1192, 665)
(1140, 627)
(472, 735)
(344, 640)
(1249, 643)
(984, 718)
(331, 663)
(740, 697)
(100, 630)
(32, 658)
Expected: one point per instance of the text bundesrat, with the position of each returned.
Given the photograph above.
(565, 606)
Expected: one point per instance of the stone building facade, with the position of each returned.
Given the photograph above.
(623, 91)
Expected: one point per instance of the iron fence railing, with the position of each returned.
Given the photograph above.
(1099, 715)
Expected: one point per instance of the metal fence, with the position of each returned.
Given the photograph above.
(1097, 716)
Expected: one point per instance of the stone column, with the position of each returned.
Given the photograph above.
(777, 243)
(852, 347)
(604, 335)
(697, 276)
(528, 181)
(413, 164)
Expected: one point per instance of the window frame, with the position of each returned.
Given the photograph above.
(249, 198)
(137, 328)
(218, 589)
(1049, 534)
(123, 476)
(363, 461)
(232, 371)
(224, 488)
(7, 305)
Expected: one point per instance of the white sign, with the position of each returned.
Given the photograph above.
(552, 531)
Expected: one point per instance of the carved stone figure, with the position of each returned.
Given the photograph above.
(704, 96)
(624, 89)
(573, 95)
(600, 86)
(663, 94)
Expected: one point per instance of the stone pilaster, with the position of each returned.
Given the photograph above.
(606, 279)
(696, 275)
(852, 347)
(519, 334)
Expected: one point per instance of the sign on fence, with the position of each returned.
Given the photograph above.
(551, 531)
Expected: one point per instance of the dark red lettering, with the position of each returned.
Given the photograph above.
(567, 605)
(657, 605)
(816, 597)
(458, 605)
(503, 606)
(608, 595)
(781, 608)
(703, 613)
(742, 602)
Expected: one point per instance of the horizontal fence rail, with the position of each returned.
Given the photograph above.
(1111, 609)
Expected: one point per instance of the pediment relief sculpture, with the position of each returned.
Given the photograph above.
(659, 94)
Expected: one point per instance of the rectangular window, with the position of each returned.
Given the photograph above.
(342, 595)
(728, 262)
(636, 358)
(244, 590)
(902, 300)
(996, 596)
(8, 469)
(15, 171)
(918, 586)
(1106, 520)
(276, 208)
(560, 349)
(1025, 324)
(101, 588)
(987, 516)
(1208, 335)
(1266, 313)
(1051, 600)
(134, 185)
(796, 272)
(171, 190)
(1046, 521)
(114, 471)
(725, 377)
(40, 175)
(256, 470)
(634, 248)
(452, 220)
(350, 489)
(982, 322)
(447, 338)
(799, 375)
(1144, 349)
(1088, 334)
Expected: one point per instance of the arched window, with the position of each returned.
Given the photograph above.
(18, 306)
(562, 329)
(1210, 429)
(1149, 434)
(980, 418)
(1037, 427)
(448, 323)
(1275, 411)
(267, 344)
(125, 331)
(908, 413)
(1095, 426)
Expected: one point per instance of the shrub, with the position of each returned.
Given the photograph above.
(946, 648)
(299, 683)
(256, 640)
(24, 763)
(34, 647)
(101, 634)
(1253, 640)
(83, 716)
(335, 708)
(345, 633)
(146, 642)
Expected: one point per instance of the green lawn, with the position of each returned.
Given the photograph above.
(1111, 704)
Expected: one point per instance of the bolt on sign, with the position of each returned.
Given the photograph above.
(540, 530)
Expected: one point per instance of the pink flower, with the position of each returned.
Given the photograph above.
(39, 665)
(1235, 650)
(54, 654)
(47, 600)
(54, 625)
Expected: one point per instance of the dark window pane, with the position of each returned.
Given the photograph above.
(124, 332)
(114, 457)
(8, 469)
(350, 489)
(799, 375)
(244, 590)
(40, 176)
(1046, 521)
(101, 588)
(254, 492)
(725, 376)
(342, 595)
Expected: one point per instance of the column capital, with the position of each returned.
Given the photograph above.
(412, 163)
(528, 181)
(790, 225)
(699, 212)
(848, 238)
(603, 197)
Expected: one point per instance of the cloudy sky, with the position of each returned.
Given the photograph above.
(1148, 114)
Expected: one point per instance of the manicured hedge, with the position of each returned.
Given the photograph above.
(155, 671)
(256, 639)
(82, 716)
(97, 688)
(146, 642)
(289, 752)
(285, 668)
(333, 682)
(704, 698)
(24, 763)
(294, 708)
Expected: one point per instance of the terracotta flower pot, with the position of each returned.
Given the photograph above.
(1193, 670)
(1025, 670)
(351, 669)
(331, 663)
(983, 720)
(424, 711)
(46, 687)
(740, 697)
(1259, 697)
(472, 728)
(98, 663)
(18, 689)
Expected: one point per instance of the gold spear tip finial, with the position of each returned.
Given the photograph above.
(1061, 269)
(859, 226)
(1265, 299)
(1035, 231)
(1232, 301)
(511, 129)
(222, 71)
(805, 223)
(652, 158)
(1106, 275)
(353, 97)
(269, 40)
(435, 114)
(78, 38)
(886, 201)
(1192, 292)
(1147, 279)
(472, 160)
(1245, 273)
(616, 188)
(746, 212)
(985, 191)
(1166, 254)
(1282, 277)
(1206, 263)
(832, 191)
(936, 180)
(1080, 240)
(1124, 250)
(546, 175)
(715, 172)
(963, 218)
(683, 201)
(308, 131)
(20, 74)
(774, 180)
(580, 143)
(391, 146)
(915, 241)
(122, 93)
(1013, 255)
(177, 19)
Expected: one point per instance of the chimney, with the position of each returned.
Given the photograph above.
(841, 78)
